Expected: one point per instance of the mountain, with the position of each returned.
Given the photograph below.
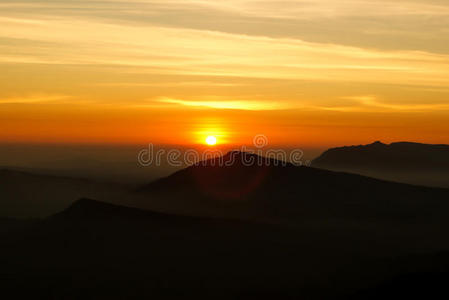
(274, 191)
(413, 163)
(95, 250)
(29, 195)
(239, 226)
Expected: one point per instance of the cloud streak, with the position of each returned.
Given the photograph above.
(197, 52)
(226, 104)
(349, 22)
(33, 99)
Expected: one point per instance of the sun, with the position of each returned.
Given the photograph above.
(211, 140)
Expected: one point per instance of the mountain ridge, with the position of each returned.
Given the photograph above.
(406, 162)
(287, 191)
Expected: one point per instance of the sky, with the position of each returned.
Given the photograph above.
(316, 73)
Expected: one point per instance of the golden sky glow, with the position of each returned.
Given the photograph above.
(301, 72)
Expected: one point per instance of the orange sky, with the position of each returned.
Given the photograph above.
(303, 73)
(99, 124)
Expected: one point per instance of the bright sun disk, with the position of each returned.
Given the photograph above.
(211, 140)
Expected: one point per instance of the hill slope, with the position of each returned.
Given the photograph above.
(276, 191)
(94, 250)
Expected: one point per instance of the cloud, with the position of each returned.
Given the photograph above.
(204, 83)
(362, 23)
(267, 50)
(179, 51)
(33, 99)
(372, 103)
(224, 104)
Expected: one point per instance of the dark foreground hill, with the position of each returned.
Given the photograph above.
(94, 250)
(407, 162)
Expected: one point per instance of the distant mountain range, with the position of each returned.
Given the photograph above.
(413, 163)
(270, 190)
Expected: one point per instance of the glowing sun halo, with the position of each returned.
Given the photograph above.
(211, 140)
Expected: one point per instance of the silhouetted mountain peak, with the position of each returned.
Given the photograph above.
(84, 208)
(85, 203)
(235, 156)
(399, 156)
(239, 159)
(378, 143)
(235, 175)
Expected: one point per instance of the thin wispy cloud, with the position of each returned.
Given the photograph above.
(226, 104)
(373, 103)
(34, 99)
(364, 22)
(196, 52)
